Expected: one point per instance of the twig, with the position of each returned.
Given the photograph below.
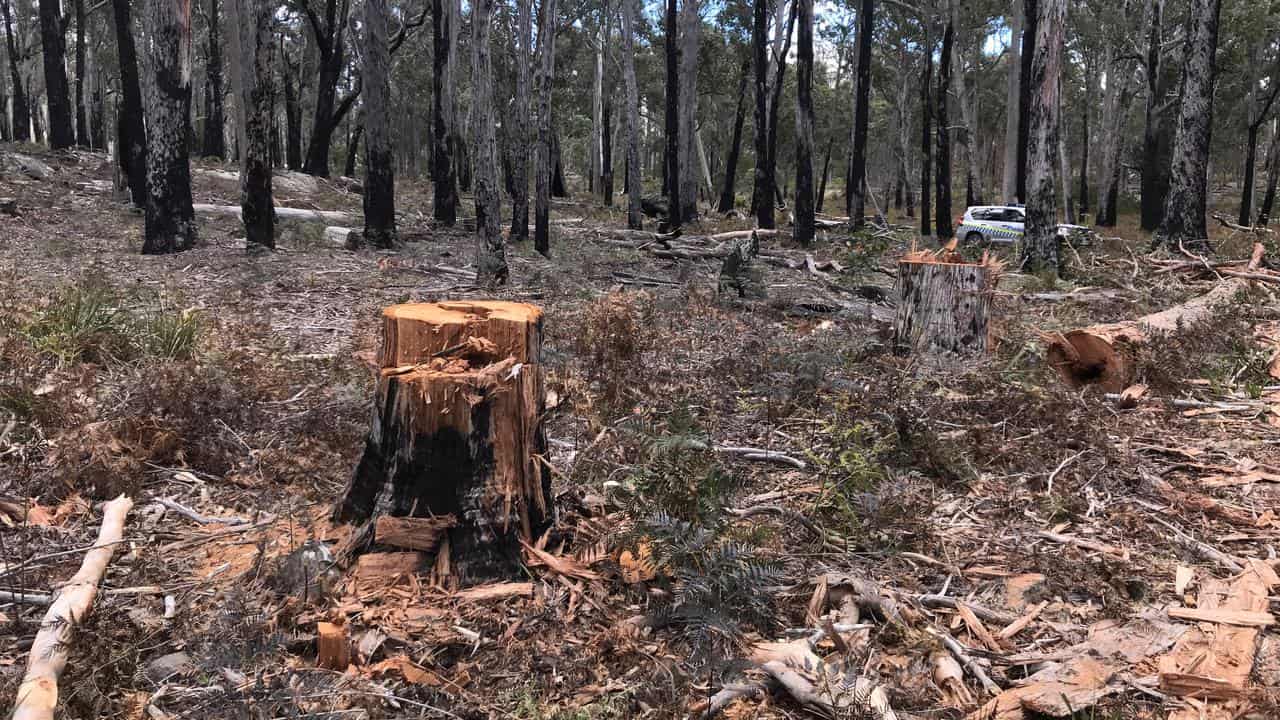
(1207, 551)
(190, 514)
(968, 662)
(750, 453)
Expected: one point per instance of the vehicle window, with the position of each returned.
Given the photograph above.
(981, 214)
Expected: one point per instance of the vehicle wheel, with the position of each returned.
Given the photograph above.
(975, 239)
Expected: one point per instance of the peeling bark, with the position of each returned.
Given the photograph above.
(1040, 241)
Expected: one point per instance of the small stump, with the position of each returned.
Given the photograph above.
(456, 436)
(943, 303)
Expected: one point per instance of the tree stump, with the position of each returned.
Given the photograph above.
(943, 304)
(457, 431)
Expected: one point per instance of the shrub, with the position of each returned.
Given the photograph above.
(616, 333)
(82, 323)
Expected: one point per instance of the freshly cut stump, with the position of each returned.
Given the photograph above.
(943, 304)
(457, 431)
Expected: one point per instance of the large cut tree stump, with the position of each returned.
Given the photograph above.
(456, 435)
(943, 303)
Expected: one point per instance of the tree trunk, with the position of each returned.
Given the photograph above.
(459, 436)
(1116, 108)
(54, 42)
(1184, 207)
(21, 117)
(762, 186)
(170, 221)
(445, 195)
(520, 137)
(826, 170)
(215, 144)
(597, 109)
(1273, 175)
(1013, 104)
(1068, 206)
(727, 194)
(353, 148)
(943, 175)
(690, 27)
(292, 113)
(606, 152)
(82, 114)
(1084, 144)
(1155, 159)
(635, 191)
(783, 43)
(558, 186)
(1040, 241)
(926, 139)
(544, 161)
(1250, 173)
(857, 183)
(256, 206)
(1029, 39)
(328, 111)
(672, 115)
(491, 254)
(379, 165)
(132, 132)
(804, 209)
(943, 305)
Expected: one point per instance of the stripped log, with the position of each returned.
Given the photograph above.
(1103, 355)
(943, 303)
(328, 217)
(457, 431)
(38, 694)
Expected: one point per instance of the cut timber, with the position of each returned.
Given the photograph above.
(333, 647)
(1214, 662)
(1103, 354)
(38, 694)
(943, 303)
(1240, 618)
(413, 533)
(496, 591)
(457, 430)
(382, 569)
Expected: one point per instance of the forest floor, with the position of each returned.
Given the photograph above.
(239, 387)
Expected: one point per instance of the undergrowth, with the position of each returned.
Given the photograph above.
(89, 322)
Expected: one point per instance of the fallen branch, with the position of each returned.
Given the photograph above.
(1207, 551)
(328, 217)
(38, 694)
(965, 660)
(750, 453)
(194, 516)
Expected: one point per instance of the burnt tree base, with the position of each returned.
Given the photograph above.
(457, 432)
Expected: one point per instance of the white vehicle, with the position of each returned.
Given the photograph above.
(984, 224)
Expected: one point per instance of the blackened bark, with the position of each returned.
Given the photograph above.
(804, 210)
(491, 254)
(132, 132)
(353, 149)
(635, 220)
(1273, 175)
(826, 170)
(82, 114)
(1029, 31)
(690, 27)
(1250, 174)
(858, 160)
(672, 115)
(445, 195)
(1155, 156)
(606, 151)
(21, 116)
(727, 194)
(292, 113)
(1184, 207)
(329, 111)
(256, 207)
(520, 136)
(926, 140)
(558, 187)
(54, 42)
(215, 144)
(1040, 241)
(379, 165)
(544, 159)
(942, 207)
(170, 221)
(762, 187)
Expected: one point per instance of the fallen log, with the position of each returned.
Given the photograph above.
(1104, 354)
(328, 217)
(38, 694)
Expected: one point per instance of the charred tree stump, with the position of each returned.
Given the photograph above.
(457, 431)
(943, 304)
